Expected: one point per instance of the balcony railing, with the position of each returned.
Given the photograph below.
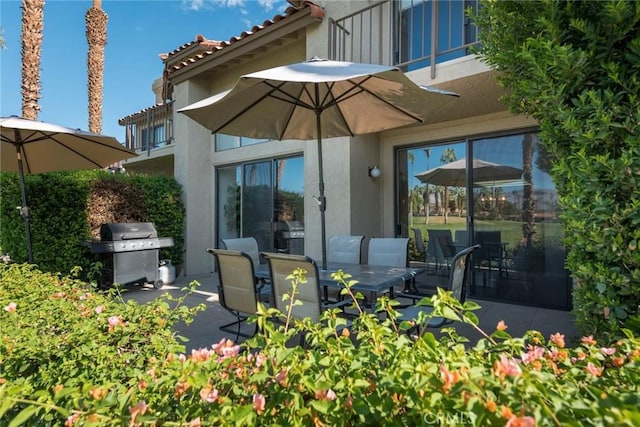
(150, 128)
(410, 34)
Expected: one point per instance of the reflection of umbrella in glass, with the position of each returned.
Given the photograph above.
(454, 174)
(43, 147)
(317, 99)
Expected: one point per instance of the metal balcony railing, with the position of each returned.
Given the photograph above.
(410, 34)
(150, 128)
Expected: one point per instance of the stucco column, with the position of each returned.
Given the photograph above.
(193, 170)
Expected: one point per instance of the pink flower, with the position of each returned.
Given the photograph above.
(588, 340)
(608, 351)
(326, 395)
(260, 359)
(99, 309)
(114, 321)
(71, 420)
(521, 422)
(140, 408)
(593, 370)
(200, 355)
(259, 403)
(501, 326)
(209, 394)
(195, 422)
(558, 339)
(506, 366)
(11, 308)
(533, 354)
(281, 377)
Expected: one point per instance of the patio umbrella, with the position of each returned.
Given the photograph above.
(454, 174)
(35, 147)
(317, 99)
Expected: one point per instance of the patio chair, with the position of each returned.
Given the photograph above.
(391, 252)
(281, 266)
(458, 278)
(249, 245)
(419, 242)
(344, 249)
(491, 255)
(237, 291)
(440, 248)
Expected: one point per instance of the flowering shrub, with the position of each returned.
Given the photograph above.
(362, 371)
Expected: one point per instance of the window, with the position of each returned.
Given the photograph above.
(422, 40)
(495, 191)
(228, 142)
(153, 139)
(263, 199)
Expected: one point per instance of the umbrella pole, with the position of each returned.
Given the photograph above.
(322, 202)
(24, 209)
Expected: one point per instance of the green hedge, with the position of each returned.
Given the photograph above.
(72, 357)
(574, 67)
(61, 215)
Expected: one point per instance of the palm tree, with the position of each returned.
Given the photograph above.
(448, 156)
(96, 22)
(32, 29)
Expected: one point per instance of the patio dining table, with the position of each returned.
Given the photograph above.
(372, 280)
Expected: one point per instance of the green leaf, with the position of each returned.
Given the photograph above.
(24, 416)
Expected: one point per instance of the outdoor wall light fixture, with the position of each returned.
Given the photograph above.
(374, 172)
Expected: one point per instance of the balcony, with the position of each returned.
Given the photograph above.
(149, 133)
(150, 128)
(410, 34)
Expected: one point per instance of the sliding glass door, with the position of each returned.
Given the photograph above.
(496, 192)
(264, 200)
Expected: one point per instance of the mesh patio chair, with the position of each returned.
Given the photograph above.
(458, 278)
(281, 266)
(249, 245)
(491, 255)
(344, 249)
(237, 291)
(440, 248)
(391, 252)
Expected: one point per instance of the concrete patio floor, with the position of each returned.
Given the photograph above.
(204, 330)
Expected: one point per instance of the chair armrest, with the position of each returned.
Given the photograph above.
(337, 304)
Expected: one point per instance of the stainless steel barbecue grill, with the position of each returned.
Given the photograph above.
(132, 251)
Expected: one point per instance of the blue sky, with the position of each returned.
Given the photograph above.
(137, 32)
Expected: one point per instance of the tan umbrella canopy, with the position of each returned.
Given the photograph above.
(318, 99)
(30, 146)
(454, 174)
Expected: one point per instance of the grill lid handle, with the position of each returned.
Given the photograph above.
(138, 236)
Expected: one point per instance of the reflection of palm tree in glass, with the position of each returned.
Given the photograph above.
(528, 204)
(427, 152)
(448, 156)
(411, 158)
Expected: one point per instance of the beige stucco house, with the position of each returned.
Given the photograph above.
(240, 187)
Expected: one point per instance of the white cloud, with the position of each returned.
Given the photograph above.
(268, 4)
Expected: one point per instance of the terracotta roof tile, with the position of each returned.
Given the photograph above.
(204, 47)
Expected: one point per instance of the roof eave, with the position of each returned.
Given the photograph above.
(233, 53)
